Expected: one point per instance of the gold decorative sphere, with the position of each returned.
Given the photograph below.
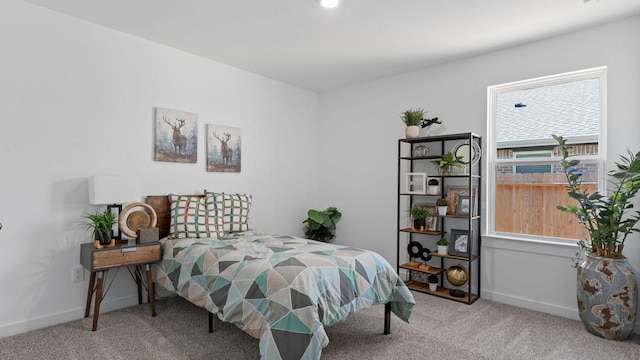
(457, 275)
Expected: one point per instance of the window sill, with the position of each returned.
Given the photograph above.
(537, 245)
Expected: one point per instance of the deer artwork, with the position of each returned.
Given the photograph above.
(227, 152)
(179, 140)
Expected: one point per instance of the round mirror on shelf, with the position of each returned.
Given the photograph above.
(470, 153)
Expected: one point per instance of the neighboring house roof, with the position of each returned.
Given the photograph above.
(569, 109)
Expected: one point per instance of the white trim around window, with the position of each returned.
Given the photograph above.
(490, 165)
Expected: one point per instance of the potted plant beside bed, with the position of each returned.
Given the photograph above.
(607, 291)
(101, 224)
(321, 225)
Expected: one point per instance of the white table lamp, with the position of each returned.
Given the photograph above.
(113, 191)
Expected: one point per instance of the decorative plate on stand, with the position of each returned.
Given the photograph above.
(132, 218)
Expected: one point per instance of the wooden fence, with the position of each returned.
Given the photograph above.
(526, 204)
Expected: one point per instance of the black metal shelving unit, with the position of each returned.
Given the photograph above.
(466, 183)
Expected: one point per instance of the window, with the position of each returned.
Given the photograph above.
(532, 169)
(525, 182)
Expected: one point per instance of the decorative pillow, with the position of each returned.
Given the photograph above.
(214, 207)
(190, 217)
(236, 210)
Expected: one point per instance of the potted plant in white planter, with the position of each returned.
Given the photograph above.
(412, 118)
(432, 280)
(442, 204)
(432, 186)
(443, 246)
(605, 276)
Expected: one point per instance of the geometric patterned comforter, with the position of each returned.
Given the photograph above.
(282, 290)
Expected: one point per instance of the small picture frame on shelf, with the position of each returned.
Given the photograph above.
(416, 183)
(464, 205)
(432, 219)
(460, 242)
(454, 193)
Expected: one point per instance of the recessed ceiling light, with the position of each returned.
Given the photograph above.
(329, 3)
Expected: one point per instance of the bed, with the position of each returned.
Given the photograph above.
(280, 289)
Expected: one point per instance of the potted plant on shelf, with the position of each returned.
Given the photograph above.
(443, 246)
(442, 204)
(101, 224)
(419, 216)
(448, 161)
(432, 186)
(433, 282)
(412, 118)
(321, 225)
(605, 276)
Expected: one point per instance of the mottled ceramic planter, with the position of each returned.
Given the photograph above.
(607, 296)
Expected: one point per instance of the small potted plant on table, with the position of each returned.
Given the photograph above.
(101, 224)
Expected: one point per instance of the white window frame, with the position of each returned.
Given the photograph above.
(492, 93)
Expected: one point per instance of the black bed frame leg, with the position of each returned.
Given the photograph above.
(387, 318)
(210, 322)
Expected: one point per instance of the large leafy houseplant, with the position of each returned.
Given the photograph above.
(321, 225)
(607, 219)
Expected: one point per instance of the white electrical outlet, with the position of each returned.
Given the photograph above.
(77, 274)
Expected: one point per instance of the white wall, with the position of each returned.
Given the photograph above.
(360, 126)
(77, 99)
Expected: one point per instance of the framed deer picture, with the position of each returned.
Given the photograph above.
(224, 150)
(176, 136)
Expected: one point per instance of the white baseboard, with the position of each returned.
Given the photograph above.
(62, 317)
(571, 313)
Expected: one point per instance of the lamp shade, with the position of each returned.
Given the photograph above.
(105, 189)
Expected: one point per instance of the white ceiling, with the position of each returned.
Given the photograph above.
(300, 43)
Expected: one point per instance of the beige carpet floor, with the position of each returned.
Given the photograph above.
(439, 329)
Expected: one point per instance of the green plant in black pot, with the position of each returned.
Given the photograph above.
(101, 224)
(321, 225)
(419, 216)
